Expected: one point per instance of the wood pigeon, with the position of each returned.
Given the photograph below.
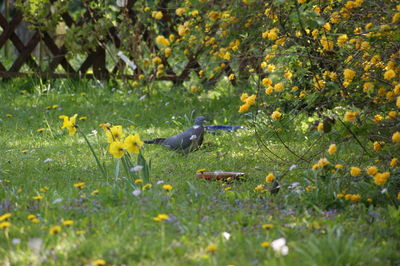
(186, 141)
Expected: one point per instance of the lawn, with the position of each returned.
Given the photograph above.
(65, 212)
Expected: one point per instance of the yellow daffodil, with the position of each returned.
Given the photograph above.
(69, 123)
(133, 143)
(117, 149)
(114, 133)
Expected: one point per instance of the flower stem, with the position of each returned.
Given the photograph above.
(103, 172)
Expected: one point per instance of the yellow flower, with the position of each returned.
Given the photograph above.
(320, 127)
(31, 217)
(212, 248)
(278, 87)
(180, 11)
(114, 133)
(342, 39)
(4, 225)
(231, 76)
(138, 181)
(69, 123)
(267, 226)
(251, 99)
(288, 74)
(157, 15)
(377, 146)
(5, 216)
(301, 1)
(266, 82)
(40, 130)
(269, 90)
(244, 108)
(332, 149)
(270, 178)
(396, 137)
(355, 197)
(350, 116)
(83, 118)
(38, 197)
(161, 217)
(398, 101)
(260, 188)
(349, 74)
(276, 115)
(98, 262)
(339, 166)
(390, 74)
(347, 196)
(243, 97)
(133, 143)
(167, 187)
(393, 162)
(266, 244)
(146, 187)
(201, 170)
(68, 222)
(372, 170)
(55, 230)
(381, 178)
(161, 40)
(355, 171)
(398, 196)
(117, 149)
(9, 115)
(80, 185)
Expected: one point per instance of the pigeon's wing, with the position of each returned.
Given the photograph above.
(187, 140)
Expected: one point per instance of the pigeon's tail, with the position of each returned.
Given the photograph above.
(155, 141)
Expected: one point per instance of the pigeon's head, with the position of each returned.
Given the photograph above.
(199, 120)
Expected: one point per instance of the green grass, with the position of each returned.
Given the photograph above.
(118, 227)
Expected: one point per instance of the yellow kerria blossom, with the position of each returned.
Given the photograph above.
(161, 217)
(320, 127)
(231, 76)
(69, 123)
(398, 196)
(212, 248)
(355, 197)
(276, 115)
(55, 230)
(243, 97)
(396, 137)
(332, 149)
(157, 15)
(266, 244)
(393, 162)
(260, 188)
(342, 39)
(5, 216)
(377, 146)
(372, 170)
(390, 74)
(117, 149)
(133, 143)
(4, 225)
(350, 116)
(349, 74)
(161, 40)
(381, 178)
(98, 262)
(266, 82)
(114, 133)
(251, 99)
(269, 90)
(278, 87)
(270, 178)
(167, 187)
(244, 108)
(355, 171)
(398, 101)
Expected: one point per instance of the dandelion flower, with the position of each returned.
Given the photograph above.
(212, 248)
(80, 185)
(99, 262)
(161, 217)
(167, 187)
(267, 226)
(265, 244)
(68, 222)
(5, 217)
(4, 225)
(55, 230)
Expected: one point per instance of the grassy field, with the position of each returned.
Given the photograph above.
(64, 212)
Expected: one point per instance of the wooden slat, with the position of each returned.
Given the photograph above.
(23, 57)
(8, 28)
(59, 55)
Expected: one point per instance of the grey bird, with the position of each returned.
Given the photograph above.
(186, 141)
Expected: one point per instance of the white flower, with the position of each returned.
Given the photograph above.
(136, 192)
(293, 166)
(142, 98)
(279, 246)
(57, 201)
(159, 182)
(226, 235)
(16, 241)
(94, 131)
(137, 168)
(383, 191)
(48, 160)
